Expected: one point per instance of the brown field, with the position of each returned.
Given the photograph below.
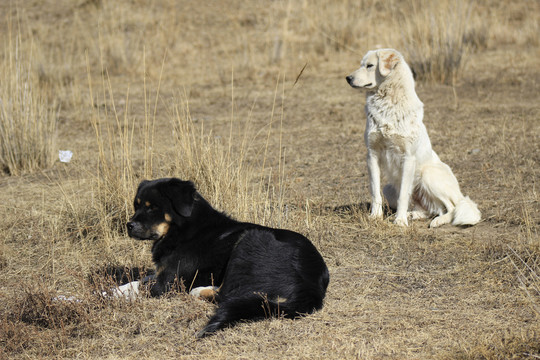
(214, 91)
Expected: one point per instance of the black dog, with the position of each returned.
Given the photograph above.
(259, 270)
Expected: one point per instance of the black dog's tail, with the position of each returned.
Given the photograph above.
(253, 306)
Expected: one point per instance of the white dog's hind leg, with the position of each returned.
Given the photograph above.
(374, 184)
(441, 220)
(439, 192)
(441, 186)
(445, 218)
(466, 213)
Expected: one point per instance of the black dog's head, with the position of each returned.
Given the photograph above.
(158, 204)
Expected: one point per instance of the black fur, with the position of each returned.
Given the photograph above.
(261, 271)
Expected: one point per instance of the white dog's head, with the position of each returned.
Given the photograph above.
(375, 67)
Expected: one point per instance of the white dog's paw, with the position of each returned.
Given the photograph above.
(401, 221)
(128, 291)
(376, 211)
(441, 220)
(205, 292)
(418, 214)
(436, 222)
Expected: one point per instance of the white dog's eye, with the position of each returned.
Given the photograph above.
(369, 65)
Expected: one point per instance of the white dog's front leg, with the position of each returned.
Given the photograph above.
(374, 184)
(405, 190)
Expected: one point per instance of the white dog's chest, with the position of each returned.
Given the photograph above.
(391, 126)
(388, 135)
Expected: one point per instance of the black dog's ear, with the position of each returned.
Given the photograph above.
(181, 194)
(144, 182)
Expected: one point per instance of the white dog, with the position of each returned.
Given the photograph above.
(419, 185)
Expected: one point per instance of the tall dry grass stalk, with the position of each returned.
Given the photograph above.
(339, 26)
(207, 160)
(228, 171)
(233, 174)
(527, 265)
(116, 132)
(525, 257)
(433, 37)
(27, 115)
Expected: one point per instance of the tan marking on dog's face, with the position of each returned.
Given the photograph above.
(147, 203)
(162, 229)
(138, 200)
(168, 218)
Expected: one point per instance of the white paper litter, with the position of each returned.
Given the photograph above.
(65, 155)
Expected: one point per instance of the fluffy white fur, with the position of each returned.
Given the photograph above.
(419, 185)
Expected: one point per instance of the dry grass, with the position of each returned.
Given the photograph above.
(210, 92)
(27, 110)
(434, 37)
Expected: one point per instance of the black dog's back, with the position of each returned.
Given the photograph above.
(271, 272)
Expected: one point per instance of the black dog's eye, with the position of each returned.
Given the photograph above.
(369, 65)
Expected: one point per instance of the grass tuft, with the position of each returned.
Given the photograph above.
(27, 116)
(38, 307)
(527, 265)
(436, 37)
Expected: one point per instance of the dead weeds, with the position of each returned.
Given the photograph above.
(278, 151)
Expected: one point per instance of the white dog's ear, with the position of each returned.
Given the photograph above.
(388, 59)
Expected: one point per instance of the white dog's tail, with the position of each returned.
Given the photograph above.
(466, 213)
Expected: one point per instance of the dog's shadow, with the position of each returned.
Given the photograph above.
(117, 274)
(360, 208)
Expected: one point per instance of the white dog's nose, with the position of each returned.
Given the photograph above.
(349, 79)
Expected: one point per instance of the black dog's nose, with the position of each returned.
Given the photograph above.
(129, 226)
(349, 79)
